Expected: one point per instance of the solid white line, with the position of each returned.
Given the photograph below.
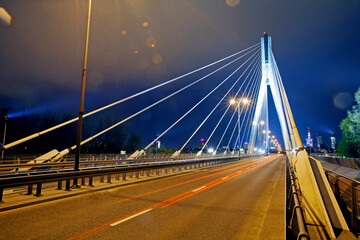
(128, 218)
(199, 189)
(224, 178)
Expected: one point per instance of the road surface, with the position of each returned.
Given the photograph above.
(239, 200)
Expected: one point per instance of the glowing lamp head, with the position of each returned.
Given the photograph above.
(232, 101)
(245, 100)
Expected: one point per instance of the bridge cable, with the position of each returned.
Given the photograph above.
(35, 135)
(247, 115)
(65, 151)
(255, 66)
(225, 131)
(232, 134)
(196, 105)
(215, 106)
(282, 92)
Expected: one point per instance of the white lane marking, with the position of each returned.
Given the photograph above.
(128, 218)
(239, 171)
(199, 189)
(224, 178)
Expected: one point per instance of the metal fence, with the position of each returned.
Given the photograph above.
(296, 227)
(110, 172)
(341, 161)
(347, 192)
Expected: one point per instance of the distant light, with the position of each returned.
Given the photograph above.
(232, 101)
(262, 122)
(263, 131)
(246, 143)
(245, 100)
(145, 24)
(201, 140)
(151, 42)
(5, 16)
(254, 122)
(133, 48)
(293, 151)
(255, 149)
(210, 150)
(123, 32)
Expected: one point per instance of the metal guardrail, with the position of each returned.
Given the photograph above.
(296, 227)
(347, 192)
(39, 178)
(341, 161)
(94, 160)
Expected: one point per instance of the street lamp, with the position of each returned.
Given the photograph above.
(239, 101)
(6, 119)
(81, 108)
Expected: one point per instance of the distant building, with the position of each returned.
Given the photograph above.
(319, 141)
(333, 142)
(309, 140)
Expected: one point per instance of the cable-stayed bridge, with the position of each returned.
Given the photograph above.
(240, 136)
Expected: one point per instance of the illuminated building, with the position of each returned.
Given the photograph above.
(319, 141)
(309, 140)
(333, 142)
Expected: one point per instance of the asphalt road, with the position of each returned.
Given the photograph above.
(240, 200)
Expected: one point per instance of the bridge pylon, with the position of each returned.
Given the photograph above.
(318, 201)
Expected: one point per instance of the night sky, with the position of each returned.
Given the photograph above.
(136, 44)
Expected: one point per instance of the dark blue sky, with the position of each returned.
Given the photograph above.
(315, 44)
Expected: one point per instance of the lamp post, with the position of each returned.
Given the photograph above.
(244, 101)
(2, 152)
(81, 108)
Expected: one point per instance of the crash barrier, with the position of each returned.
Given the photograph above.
(296, 227)
(90, 160)
(38, 178)
(347, 192)
(341, 161)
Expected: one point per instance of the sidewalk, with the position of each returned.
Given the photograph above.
(345, 171)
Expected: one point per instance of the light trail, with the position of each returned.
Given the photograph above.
(174, 199)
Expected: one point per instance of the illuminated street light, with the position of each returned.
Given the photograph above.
(262, 122)
(81, 108)
(239, 101)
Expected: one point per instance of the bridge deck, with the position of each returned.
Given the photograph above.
(241, 200)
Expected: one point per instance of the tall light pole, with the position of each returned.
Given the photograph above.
(244, 101)
(2, 152)
(81, 108)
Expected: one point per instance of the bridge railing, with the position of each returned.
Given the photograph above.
(95, 161)
(39, 178)
(341, 161)
(347, 192)
(296, 226)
